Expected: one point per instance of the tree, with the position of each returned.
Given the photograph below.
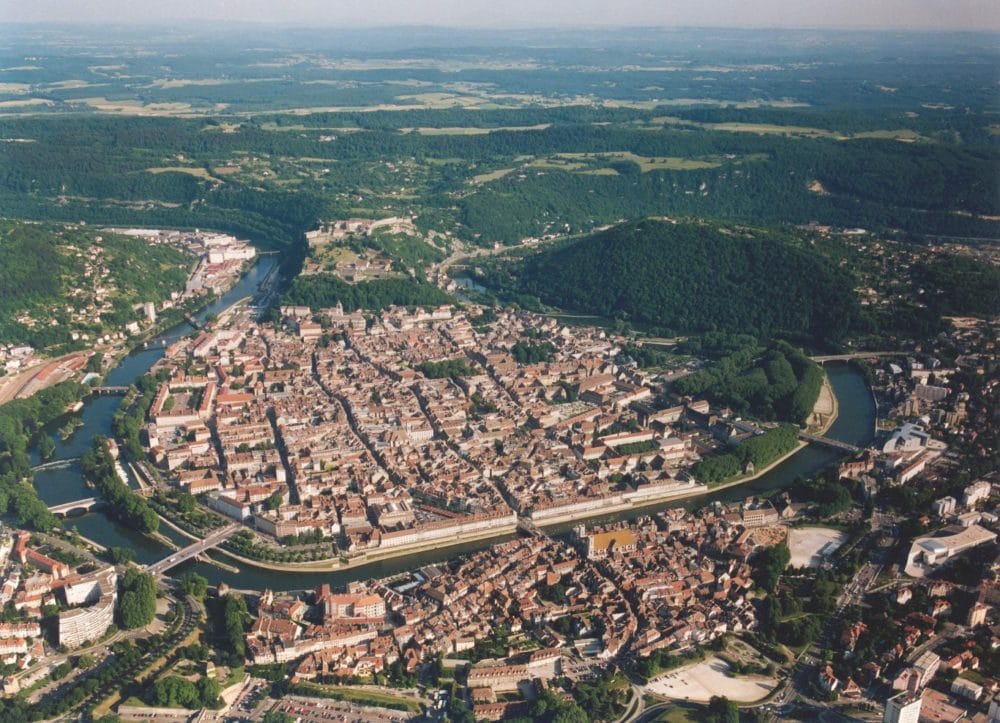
(185, 503)
(137, 602)
(208, 692)
(120, 555)
(194, 585)
(551, 708)
(235, 620)
(722, 710)
(85, 661)
(769, 563)
(174, 691)
(274, 501)
(46, 447)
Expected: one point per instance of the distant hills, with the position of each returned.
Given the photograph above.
(694, 277)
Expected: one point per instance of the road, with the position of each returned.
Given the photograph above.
(49, 662)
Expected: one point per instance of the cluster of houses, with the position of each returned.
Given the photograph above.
(686, 574)
(33, 581)
(406, 620)
(650, 584)
(221, 258)
(916, 653)
(344, 427)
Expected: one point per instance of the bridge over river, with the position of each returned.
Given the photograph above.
(112, 391)
(84, 505)
(854, 355)
(194, 549)
(829, 442)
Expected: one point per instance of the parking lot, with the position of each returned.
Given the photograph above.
(316, 710)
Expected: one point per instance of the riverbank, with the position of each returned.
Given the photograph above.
(826, 401)
(618, 507)
(826, 409)
(339, 563)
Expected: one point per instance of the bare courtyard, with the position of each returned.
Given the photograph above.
(711, 677)
(809, 545)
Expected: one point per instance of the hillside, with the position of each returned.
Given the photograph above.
(695, 277)
(59, 280)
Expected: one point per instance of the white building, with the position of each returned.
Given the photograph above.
(907, 438)
(903, 708)
(925, 552)
(966, 689)
(944, 506)
(976, 493)
(81, 625)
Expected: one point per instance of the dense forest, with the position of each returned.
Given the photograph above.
(576, 168)
(779, 383)
(958, 285)
(694, 277)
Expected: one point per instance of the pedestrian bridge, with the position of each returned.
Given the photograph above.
(829, 442)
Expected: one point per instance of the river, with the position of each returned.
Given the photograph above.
(855, 424)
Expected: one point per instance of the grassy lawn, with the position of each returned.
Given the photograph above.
(646, 163)
(491, 176)
(558, 164)
(190, 170)
(903, 134)
(681, 713)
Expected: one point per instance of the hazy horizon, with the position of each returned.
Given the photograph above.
(893, 15)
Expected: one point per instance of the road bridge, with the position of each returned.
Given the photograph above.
(194, 549)
(829, 442)
(854, 355)
(62, 510)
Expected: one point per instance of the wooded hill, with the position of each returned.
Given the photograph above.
(696, 277)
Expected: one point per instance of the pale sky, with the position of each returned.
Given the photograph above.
(894, 14)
